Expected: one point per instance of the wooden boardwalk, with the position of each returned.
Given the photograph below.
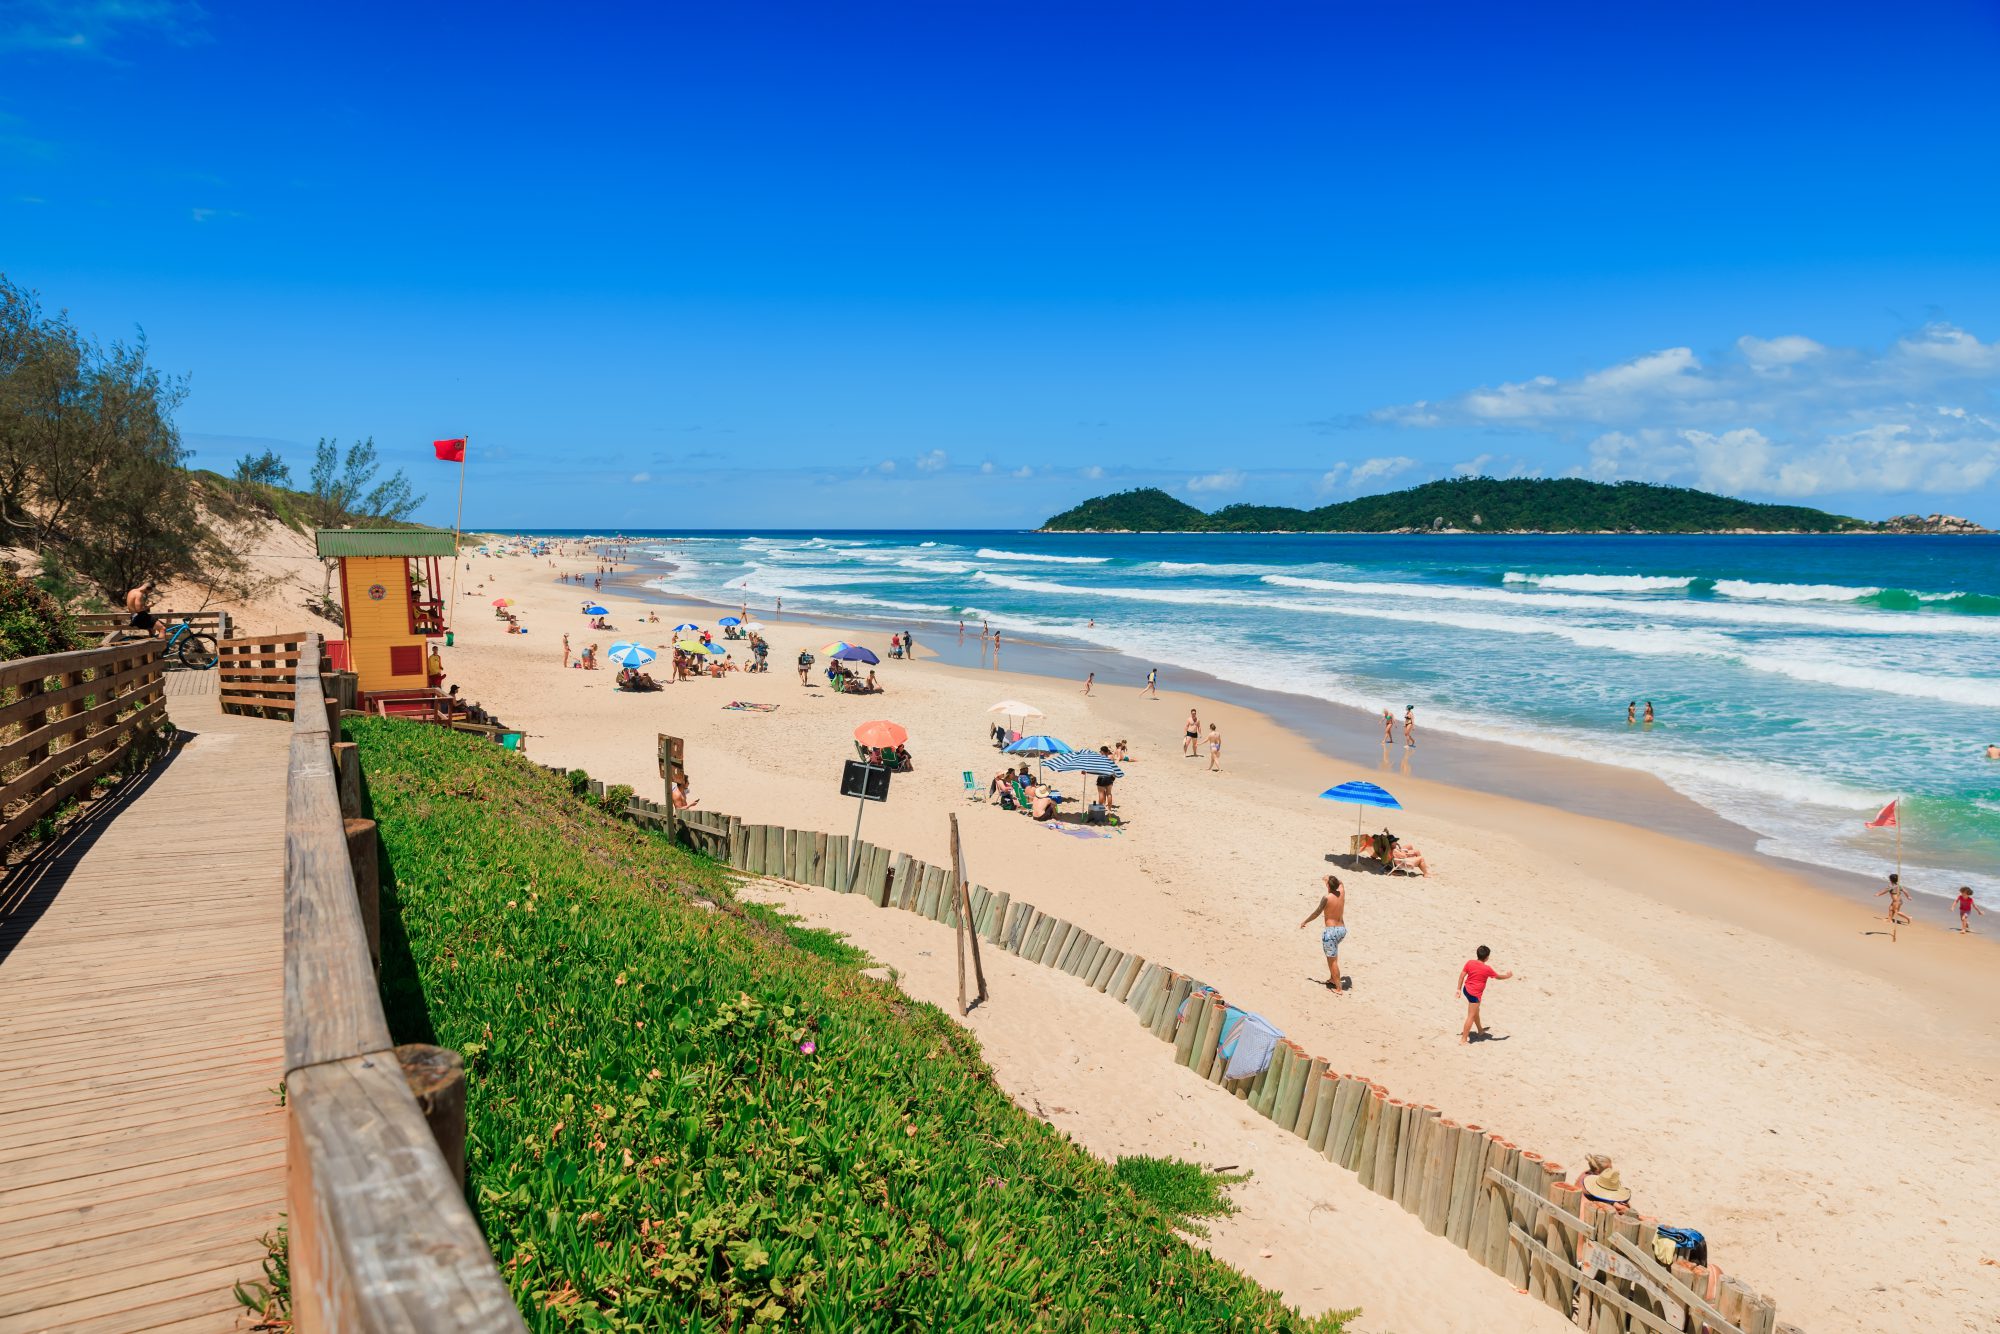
(142, 1147)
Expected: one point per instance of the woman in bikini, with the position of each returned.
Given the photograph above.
(1214, 749)
(1191, 734)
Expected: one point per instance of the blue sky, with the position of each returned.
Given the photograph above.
(915, 265)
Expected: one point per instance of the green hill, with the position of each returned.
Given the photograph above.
(1469, 504)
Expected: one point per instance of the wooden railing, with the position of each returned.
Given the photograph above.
(67, 720)
(97, 624)
(259, 675)
(381, 1238)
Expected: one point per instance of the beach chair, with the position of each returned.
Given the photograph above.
(972, 792)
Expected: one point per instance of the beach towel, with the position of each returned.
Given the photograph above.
(1247, 1041)
(1075, 832)
(741, 707)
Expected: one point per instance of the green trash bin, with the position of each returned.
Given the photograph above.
(511, 740)
(449, 638)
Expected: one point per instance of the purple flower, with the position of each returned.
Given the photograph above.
(808, 1046)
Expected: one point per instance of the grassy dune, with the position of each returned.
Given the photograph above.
(684, 1116)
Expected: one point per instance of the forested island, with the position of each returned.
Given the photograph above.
(1473, 505)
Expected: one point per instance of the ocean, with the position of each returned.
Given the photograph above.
(1798, 682)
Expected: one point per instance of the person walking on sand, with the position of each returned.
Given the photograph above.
(1191, 735)
(1897, 897)
(1388, 728)
(1152, 684)
(1410, 725)
(1966, 907)
(1088, 682)
(1214, 749)
(1331, 910)
(1472, 980)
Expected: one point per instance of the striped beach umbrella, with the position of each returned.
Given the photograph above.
(1362, 794)
(1086, 762)
(631, 655)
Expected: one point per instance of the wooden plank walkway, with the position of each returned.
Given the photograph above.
(142, 1147)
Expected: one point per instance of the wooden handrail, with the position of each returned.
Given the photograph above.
(66, 738)
(100, 622)
(381, 1238)
(261, 673)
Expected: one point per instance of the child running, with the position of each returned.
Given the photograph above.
(1966, 907)
(1472, 980)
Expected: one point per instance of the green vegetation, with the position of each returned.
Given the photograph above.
(682, 1119)
(32, 622)
(1182, 1191)
(93, 474)
(1471, 504)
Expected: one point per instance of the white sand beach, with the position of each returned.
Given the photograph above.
(1760, 1058)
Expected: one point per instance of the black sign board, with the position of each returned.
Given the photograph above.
(867, 781)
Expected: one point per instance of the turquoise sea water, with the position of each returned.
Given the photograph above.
(1799, 682)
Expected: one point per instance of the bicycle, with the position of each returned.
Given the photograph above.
(195, 650)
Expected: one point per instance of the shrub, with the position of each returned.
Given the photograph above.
(1181, 1191)
(679, 1120)
(31, 622)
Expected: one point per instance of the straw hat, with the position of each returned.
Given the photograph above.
(1605, 1186)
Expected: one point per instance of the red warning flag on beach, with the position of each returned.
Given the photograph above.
(1886, 820)
(451, 451)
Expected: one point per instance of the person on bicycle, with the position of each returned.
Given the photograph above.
(142, 617)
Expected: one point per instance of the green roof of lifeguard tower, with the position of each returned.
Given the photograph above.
(384, 542)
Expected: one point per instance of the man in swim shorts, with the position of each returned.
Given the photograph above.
(1331, 910)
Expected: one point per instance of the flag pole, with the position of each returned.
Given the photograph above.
(457, 523)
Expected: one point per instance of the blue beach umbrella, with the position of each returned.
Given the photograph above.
(1086, 762)
(1039, 746)
(730, 620)
(715, 650)
(594, 610)
(631, 655)
(686, 625)
(1362, 794)
(856, 653)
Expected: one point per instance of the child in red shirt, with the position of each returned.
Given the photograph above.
(1966, 907)
(1472, 980)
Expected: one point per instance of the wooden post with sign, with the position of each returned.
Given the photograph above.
(672, 771)
(962, 896)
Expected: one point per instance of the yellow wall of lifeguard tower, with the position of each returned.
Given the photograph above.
(375, 625)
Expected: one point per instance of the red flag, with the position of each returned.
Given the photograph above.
(1886, 820)
(451, 451)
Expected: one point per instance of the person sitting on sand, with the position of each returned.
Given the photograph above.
(1404, 855)
(902, 754)
(1041, 805)
(1119, 754)
(590, 658)
(1000, 781)
(872, 688)
(1600, 1182)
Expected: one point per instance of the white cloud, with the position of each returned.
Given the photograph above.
(87, 27)
(1952, 454)
(931, 462)
(1094, 473)
(1024, 471)
(1230, 479)
(1785, 416)
(641, 478)
(1369, 470)
(886, 465)
(987, 467)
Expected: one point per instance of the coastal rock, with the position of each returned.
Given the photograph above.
(1931, 523)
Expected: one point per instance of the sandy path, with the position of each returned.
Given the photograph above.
(1820, 1102)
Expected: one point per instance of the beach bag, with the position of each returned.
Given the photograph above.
(1680, 1243)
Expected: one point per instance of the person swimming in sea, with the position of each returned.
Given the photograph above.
(1632, 713)
(1649, 713)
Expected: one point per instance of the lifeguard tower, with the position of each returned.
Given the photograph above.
(391, 603)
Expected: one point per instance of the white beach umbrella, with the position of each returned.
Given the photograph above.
(1015, 708)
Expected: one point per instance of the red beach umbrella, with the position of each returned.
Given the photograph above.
(881, 733)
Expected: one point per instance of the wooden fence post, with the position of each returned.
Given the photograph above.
(437, 1079)
(347, 777)
(362, 851)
